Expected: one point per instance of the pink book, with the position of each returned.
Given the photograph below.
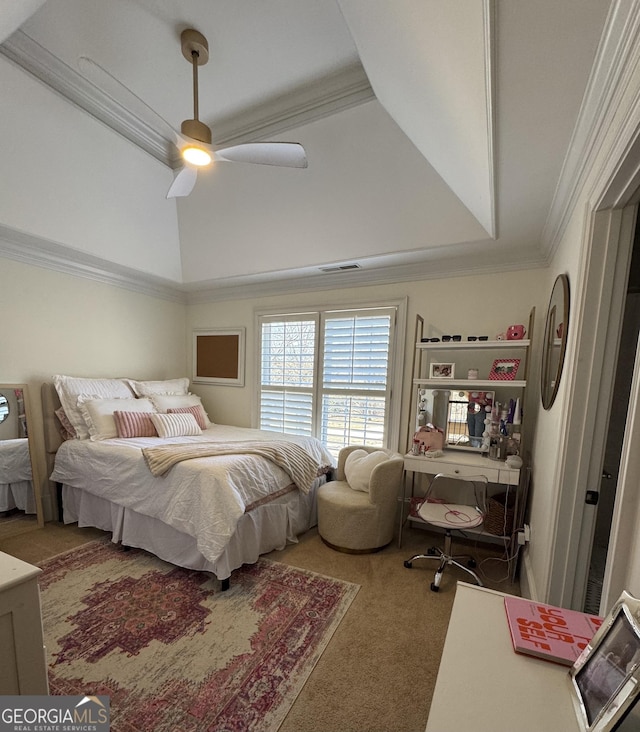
(553, 633)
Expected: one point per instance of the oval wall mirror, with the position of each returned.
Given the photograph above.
(555, 341)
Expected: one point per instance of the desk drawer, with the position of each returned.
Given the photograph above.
(496, 472)
(465, 471)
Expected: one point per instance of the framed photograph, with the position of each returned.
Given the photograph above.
(605, 679)
(441, 370)
(504, 369)
(218, 356)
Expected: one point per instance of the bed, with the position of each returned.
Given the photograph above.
(16, 488)
(212, 512)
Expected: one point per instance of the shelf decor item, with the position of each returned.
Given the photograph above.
(442, 370)
(504, 369)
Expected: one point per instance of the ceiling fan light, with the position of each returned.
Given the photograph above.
(196, 155)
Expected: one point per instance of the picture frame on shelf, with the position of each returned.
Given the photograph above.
(504, 369)
(605, 680)
(442, 370)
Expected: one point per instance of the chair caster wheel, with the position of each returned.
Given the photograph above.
(472, 564)
(434, 587)
(431, 552)
(408, 564)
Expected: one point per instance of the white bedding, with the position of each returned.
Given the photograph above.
(204, 498)
(16, 489)
(15, 462)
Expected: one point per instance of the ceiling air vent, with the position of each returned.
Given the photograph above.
(339, 268)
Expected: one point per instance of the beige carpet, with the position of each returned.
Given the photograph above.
(379, 669)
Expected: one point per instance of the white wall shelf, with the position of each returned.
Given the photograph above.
(485, 384)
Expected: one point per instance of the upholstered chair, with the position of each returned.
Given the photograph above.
(357, 509)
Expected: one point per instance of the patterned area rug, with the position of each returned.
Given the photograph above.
(172, 651)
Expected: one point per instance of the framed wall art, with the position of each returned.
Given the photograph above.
(218, 356)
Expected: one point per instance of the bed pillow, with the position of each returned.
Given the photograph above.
(197, 411)
(175, 425)
(165, 402)
(168, 386)
(98, 414)
(69, 388)
(66, 429)
(134, 424)
(359, 465)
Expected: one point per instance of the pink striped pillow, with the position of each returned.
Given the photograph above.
(197, 411)
(134, 424)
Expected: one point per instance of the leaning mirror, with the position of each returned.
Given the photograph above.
(20, 499)
(555, 341)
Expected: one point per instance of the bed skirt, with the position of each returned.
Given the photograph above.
(17, 495)
(266, 527)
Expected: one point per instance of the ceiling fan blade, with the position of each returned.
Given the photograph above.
(183, 182)
(283, 154)
(125, 98)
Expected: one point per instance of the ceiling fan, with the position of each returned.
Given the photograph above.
(193, 142)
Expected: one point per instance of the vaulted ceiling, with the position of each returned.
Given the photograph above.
(435, 131)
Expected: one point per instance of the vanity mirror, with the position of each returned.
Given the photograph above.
(19, 472)
(555, 341)
(459, 413)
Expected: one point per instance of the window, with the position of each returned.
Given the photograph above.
(329, 374)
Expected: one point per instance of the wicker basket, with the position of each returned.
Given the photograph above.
(501, 509)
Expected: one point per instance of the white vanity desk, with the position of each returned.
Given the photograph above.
(484, 686)
(459, 462)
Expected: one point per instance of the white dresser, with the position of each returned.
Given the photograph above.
(23, 669)
(484, 686)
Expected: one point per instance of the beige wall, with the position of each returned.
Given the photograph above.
(53, 323)
(478, 305)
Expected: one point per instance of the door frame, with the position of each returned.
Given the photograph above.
(600, 291)
(597, 308)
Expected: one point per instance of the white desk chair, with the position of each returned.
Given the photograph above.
(452, 504)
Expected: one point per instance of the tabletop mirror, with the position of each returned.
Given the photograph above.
(459, 413)
(555, 341)
(20, 498)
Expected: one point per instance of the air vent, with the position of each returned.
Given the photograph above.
(339, 268)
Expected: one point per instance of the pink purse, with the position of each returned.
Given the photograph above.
(431, 437)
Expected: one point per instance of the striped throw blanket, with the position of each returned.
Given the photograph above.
(289, 456)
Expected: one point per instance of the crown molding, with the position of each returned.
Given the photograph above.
(54, 73)
(306, 103)
(489, 25)
(462, 266)
(47, 254)
(606, 97)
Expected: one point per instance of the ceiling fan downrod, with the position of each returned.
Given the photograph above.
(196, 50)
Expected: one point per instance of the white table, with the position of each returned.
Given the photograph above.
(484, 686)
